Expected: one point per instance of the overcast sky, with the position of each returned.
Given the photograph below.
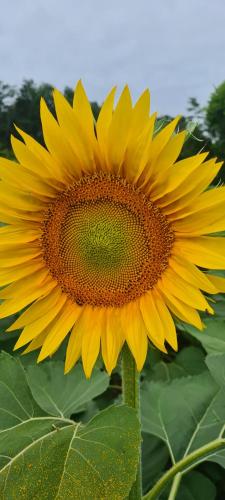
(174, 47)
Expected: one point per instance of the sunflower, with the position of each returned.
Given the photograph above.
(105, 230)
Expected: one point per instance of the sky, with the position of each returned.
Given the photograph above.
(174, 47)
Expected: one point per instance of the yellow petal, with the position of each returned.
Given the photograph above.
(37, 310)
(58, 146)
(12, 215)
(91, 324)
(183, 198)
(20, 177)
(164, 161)
(119, 131)
(137, 151)
(207, 215)
(218, 282)
(73, 351)
(168, 326)
(180, 309)
(162, 138)
(204, 251)
(36, 327)
(183, 290)
(23, 254)
(28, 160)
(59, 329)
(50, 171)
(10, 235)
(12, 306)
(177, 181)
(24, 285)
(14, 273)
(135, 332)
(210, 198)
(20, 201)
(75, 134)
(38, 341)
(112, 339)
(152, 321)
(104, 120)
(83, 111)
(191, 274)
(140, 115)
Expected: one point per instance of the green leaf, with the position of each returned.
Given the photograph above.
(72, 461)
(188, 414)
(212, 338)
(216, 365)
(17, 403)
(219, 305)
(196, 486)
(7, 341)
(48, 457)
(190, 128)
(63, 395)
(219, 458)
(194, 405)
(160, 123)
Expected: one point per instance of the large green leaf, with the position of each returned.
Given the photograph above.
(47, 457)
(186, 414)
(62, 460)
(62, 395)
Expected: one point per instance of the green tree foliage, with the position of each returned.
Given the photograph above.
(7, 95)
(21, 107)
(215, 119)
(215, 124)
(25, 109)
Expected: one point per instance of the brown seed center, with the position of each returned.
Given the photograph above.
(105, 242)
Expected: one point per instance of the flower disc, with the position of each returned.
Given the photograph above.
(105, 242)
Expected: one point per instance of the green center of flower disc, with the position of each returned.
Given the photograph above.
(105, 243)
(101, 240)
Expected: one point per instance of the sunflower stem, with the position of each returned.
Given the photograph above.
(184, 465)
(131, 397)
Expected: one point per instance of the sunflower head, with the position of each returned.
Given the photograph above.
(105, 231)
